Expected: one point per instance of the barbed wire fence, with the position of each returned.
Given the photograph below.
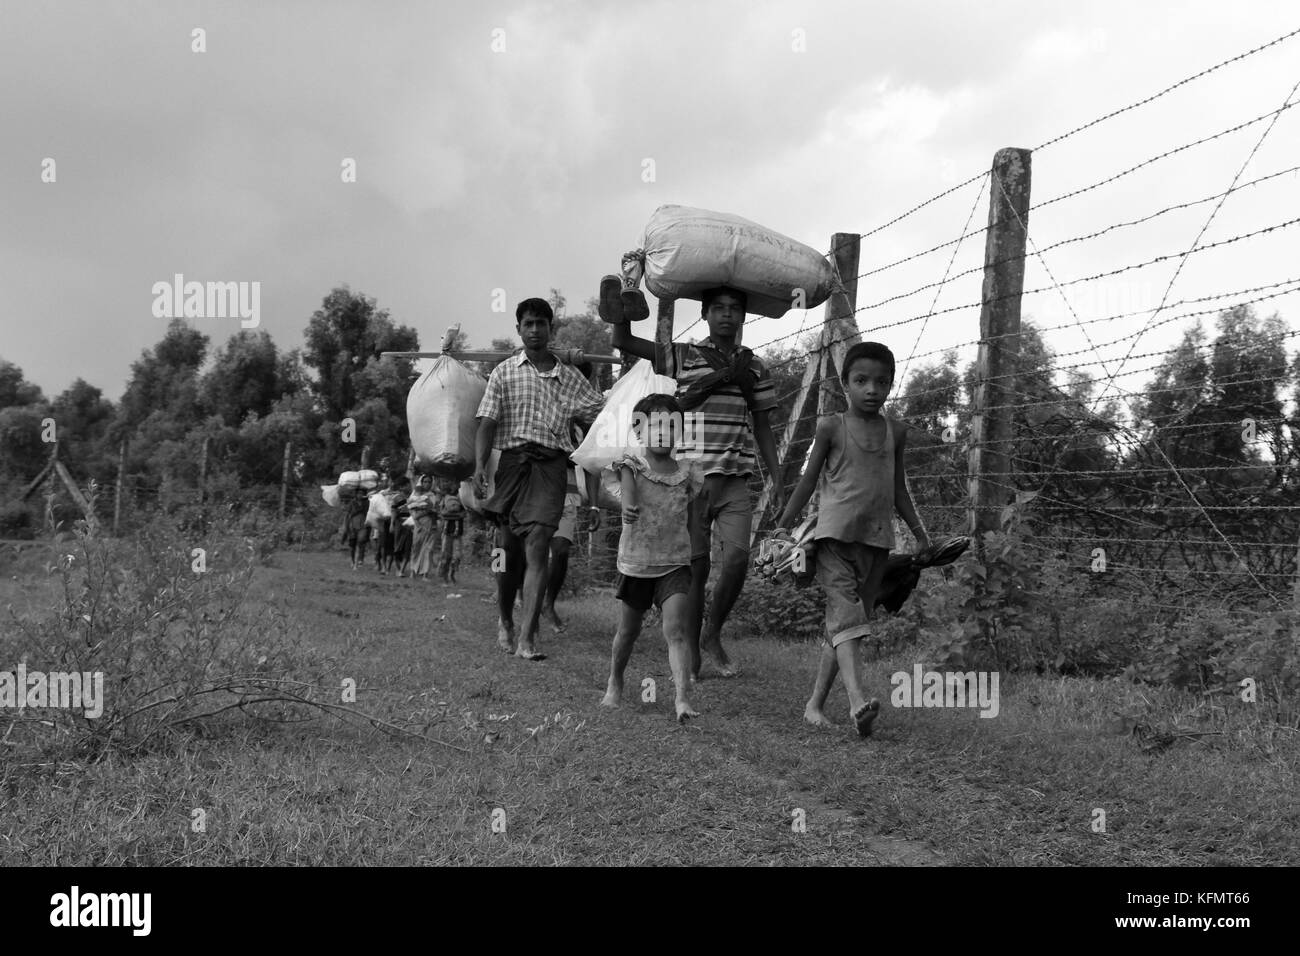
(1141, 478)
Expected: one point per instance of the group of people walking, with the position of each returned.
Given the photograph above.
(425, 526)
(674, 504)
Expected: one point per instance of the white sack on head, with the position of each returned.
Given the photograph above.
(440, 412)
(611, 433)
(688, 251)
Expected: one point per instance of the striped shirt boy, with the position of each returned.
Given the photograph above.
(722, 439)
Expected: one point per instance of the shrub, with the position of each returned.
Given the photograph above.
(174, 644)
(17, 521)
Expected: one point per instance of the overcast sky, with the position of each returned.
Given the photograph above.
(521, 169)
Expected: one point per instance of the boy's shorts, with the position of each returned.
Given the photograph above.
(569, 518)
(640, 593)
(724, 503)
(850, 574)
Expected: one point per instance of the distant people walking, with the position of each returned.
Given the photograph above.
(452, 516)
(422, 506)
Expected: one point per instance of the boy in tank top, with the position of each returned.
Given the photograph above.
(858, 457)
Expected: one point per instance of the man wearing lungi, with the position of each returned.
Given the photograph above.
(528, 411)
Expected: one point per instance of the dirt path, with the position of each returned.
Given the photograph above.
(449, 634)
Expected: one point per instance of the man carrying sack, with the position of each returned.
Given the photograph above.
(729, 394)
(528, 411)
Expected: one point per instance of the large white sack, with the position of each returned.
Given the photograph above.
(611, 433)
(466, 492)
(440, 415)
(688, 251)
(380, 510)
(365, 480)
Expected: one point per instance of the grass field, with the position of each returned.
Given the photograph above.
(579, 784)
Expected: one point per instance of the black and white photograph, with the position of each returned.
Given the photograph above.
(790, 433)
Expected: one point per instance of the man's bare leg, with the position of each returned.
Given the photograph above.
(676, 610)
(508, 583)
(555, 581)
(537, 547)
(731, 580)
(815, 710)
(629, 628)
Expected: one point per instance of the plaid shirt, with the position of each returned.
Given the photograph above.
(529, 405)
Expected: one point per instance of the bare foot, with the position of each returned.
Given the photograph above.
(685, 711)
(864, 716)
(815, 717)
(726, 667)
(506, 636)
(613, 696)
(548, 614)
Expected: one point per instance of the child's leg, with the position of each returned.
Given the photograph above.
(676, 622)
(829, 666)
(628, 629)
(847, 655)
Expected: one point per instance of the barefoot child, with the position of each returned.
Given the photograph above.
(858, 455)
(654, 551)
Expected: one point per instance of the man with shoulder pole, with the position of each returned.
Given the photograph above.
(528, 411)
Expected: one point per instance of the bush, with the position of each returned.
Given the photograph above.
(171, 638)
(1215, 650)
(17, 521)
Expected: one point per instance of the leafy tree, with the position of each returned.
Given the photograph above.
(22, 453)
(586, 331)
(16, 390)
(243, 378)
(345, 336)
(164, 380)
(84, 417)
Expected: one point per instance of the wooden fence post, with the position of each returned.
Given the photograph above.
(995, 366)
(664, 322)
(839, 332)
(121, 477)
(284, 476)
(203, 470)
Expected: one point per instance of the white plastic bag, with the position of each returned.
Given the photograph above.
(690, 250)
(440, 410)
(611, 434)
(466, 492)
(331, 495)
(380, 510)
